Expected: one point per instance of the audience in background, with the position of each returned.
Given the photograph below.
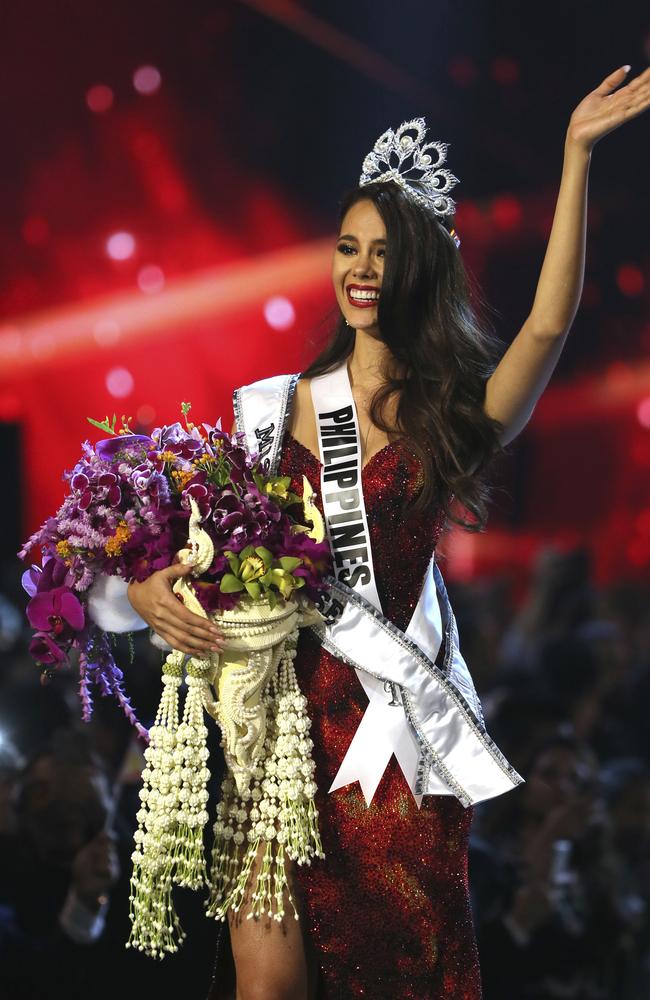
(559, 868)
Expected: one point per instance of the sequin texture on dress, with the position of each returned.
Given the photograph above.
(388, 909)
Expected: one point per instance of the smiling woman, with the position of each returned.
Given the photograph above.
(400, 745)
(397, 269)
(389, 425)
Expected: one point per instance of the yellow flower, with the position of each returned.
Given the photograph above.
(182, 477)
(252, 568)
(113, 546)
(168, 456)
(63, 549)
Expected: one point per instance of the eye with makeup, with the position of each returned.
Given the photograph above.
(348, 249)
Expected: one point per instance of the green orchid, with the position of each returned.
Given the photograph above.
(252, 570)
(277, 489)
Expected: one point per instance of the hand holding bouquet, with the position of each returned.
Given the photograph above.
(259, 558)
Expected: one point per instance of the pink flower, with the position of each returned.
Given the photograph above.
(45, 650)
(57, 611)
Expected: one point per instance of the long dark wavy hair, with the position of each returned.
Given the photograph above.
(444, 356)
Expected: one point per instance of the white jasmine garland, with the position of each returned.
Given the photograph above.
(282, 815)
(268, 791)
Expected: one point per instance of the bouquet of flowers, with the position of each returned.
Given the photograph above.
(195, 494)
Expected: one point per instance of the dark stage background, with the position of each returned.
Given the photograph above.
(169, 182)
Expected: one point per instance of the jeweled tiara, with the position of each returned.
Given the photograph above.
(400, 156)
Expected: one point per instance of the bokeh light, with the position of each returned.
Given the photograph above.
(151, 279)
(506, 212)
(99, 98)
(462, 71)
(279, 313)
(120, 382)
(629, 279)
(145, 415)
(643, 412)
(505, 71)
(147, 80)
(120, 246)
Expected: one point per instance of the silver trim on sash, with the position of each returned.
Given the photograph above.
(455, 749)
(456, 755)
(267, 404)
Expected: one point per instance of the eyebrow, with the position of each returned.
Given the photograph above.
(348, 236)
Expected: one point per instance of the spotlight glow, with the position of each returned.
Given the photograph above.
(147, 80)
(11, 341)
(279, 313)
(107, 332)
(42, 345)
(119, 383)
(120, 246)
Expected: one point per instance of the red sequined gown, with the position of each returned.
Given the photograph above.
(388, 908)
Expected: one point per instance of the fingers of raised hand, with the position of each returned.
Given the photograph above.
(636, 93)
(612, 81)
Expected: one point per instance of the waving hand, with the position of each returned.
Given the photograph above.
(606, 108)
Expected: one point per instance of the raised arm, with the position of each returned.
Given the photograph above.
(524, 371)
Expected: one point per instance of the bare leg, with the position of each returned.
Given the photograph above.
(271, 958)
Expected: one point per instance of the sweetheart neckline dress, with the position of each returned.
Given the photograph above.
(387, 911)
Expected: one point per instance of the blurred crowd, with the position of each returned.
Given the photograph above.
(559, 868)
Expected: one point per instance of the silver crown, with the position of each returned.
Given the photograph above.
(400, 157)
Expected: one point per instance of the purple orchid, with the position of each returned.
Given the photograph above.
(103, 488)
(45, 650)
(54, 573)
(109, 448)
(57, 611)
(164, 437)
(30, 579)
(126, 514)
(141, 477)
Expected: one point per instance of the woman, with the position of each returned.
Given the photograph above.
(386, 913)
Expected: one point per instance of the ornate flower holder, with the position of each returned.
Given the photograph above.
(268, 791)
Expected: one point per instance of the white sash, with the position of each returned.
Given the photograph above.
(382, 731)
(439, 737)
